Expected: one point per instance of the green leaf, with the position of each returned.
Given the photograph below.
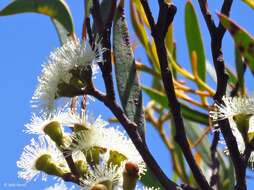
(211, 71)
(249, 2)
(203, 148)
(61, 31)
(149, 180)
(243, 40)
(126, 75)
(240, 71)
(194, 39)
(88, 5)
(56, 9)
(139, 19)
(187, 112)
(226, 172)
(232, 78)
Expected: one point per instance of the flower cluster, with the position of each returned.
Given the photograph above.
(240, 113)
(66, 72)
(103, 156)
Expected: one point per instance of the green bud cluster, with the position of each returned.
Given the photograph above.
(44, 163)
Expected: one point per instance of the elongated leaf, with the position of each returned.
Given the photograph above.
(211, 71)
(137, 25)
(232, 77)
(187, 112)
(126, 75)
(56, 9)
(226, 172)
(61, 31)
(194, 39)
(249, 2)
(88, 5)
(240, 70)
(138, 22)
(243, 40)
(203, 148)
(149, 180)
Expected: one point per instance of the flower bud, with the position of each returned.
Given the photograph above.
(99, 187)
(79, 127)
(251, 130)
(44, 163)
(93, 155)
(81, 167)
(54, 131)
(116, 158)
(242, 123)
(80, 77)
(74, 88)
(108, 185)
(130, 176)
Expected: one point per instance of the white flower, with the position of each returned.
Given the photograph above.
(57, 71)
(115, 140)
(59, 186)
(38, 123)
(84, 120)
(237, 110)
(233, 106)
(111, 139)
(103, 173)
(34, 151)
(240, 141)
(84, 140)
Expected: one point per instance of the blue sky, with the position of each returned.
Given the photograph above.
(25, 42)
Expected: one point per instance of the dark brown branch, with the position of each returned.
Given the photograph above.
(109, 98)
(72, 176)
(207, 16)
(166, 15)
(217, 34)
(225, 9)
(214, 181)
(131, 130)
(104, 31)
(70, 162)
(247, 152)
(98, 22)
(69, 177)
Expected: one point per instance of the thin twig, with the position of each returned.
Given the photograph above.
(166, 15)
(69, 177)
(216, 34)
(131, 130)
(70, 162)
(104, 31)
(214, 181)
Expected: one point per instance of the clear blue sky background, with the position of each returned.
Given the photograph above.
(25, 42)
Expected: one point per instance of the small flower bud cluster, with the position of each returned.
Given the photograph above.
(66, 73)
(103, 157)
